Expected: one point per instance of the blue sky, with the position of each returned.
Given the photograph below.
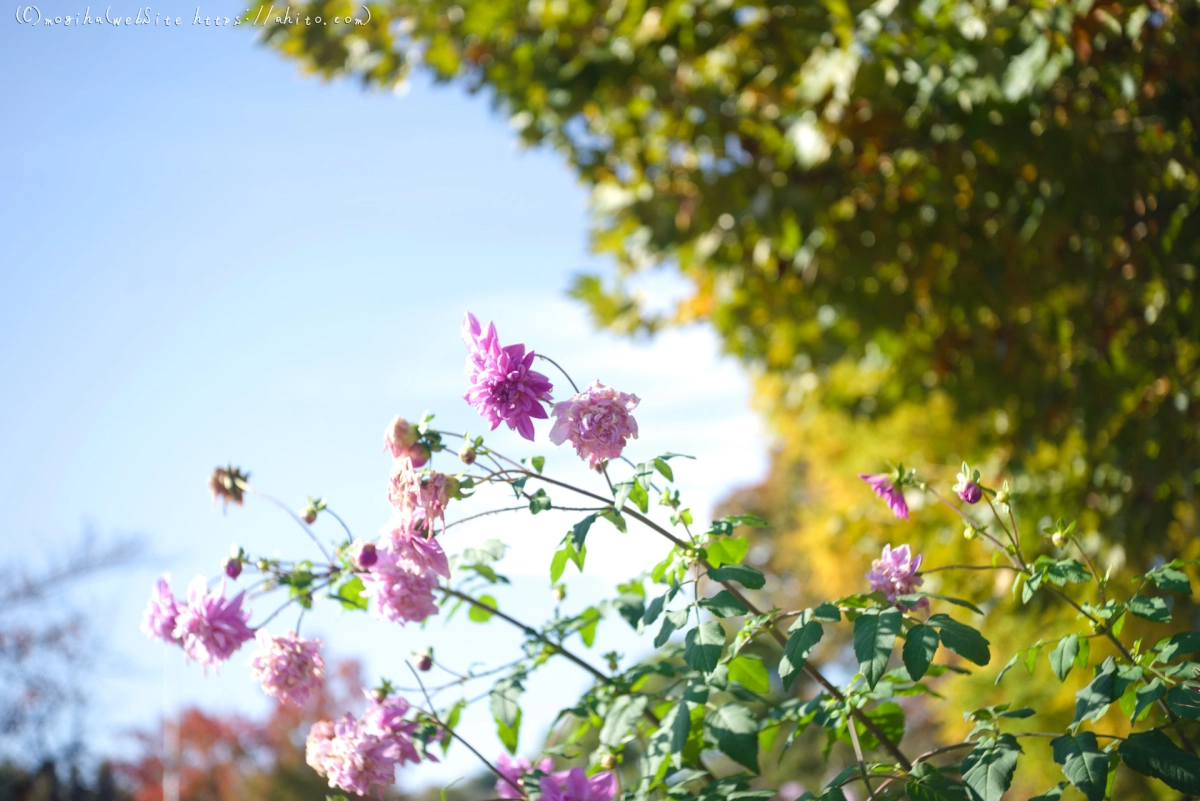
(209, 259)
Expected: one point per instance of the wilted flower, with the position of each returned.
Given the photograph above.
(576, 786)
(597, 421)
(513, 770)
(161, 612)
(211, 627)
(400, 437)
(289, 667)
(420, 496)
(888, 488)
(894, 574)
(504, 385)
(227, 483)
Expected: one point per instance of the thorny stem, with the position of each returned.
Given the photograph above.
(433, 714)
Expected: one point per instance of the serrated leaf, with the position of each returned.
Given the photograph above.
(745, 575)
(622, 716)
(796, 650)
(920, 646)
(962, 639)
(750, 673)
(1151, 753)
(988, 769)
(1084, 765)
(723, 604)
(1062, 658)
(735, 731)
(703, 646)
(874, 637)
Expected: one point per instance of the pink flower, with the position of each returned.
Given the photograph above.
(400, 437)
(885, 487)
(513, 770)
(400, 587)
(358, 755)
(576, 786)
(894, 574)
(504, 386)
(161, 612)
(416, 550)
(597, 421)
(420, 494)
(211, 627)
(289, 667)
(967, 487)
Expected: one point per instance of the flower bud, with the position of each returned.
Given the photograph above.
(608, 762)
(467, 454)
(1058, 539)
(367, 556)
(308, 515)
(970, 492)
(969, 533)
(263, 565)
(1002, 495)
(232, 568)
(419, 454)
(424, 661)
(559, 595)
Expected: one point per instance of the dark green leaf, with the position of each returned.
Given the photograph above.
(671, 622)
(1151, 753)
(539, 502)
(1083, 763)
(1093, 700)
(661, 466)
(703, 646)
(1171, 579)
(1185, 701)
(579, 531)
(506, 710)
(874, 636)
(920, 646)
(745, 575)
(1148, 695)
(795, 652)
(723, 604)
(988, 769)
(1062, 658)
(962, 639)
(735, 731)
(1053, 794)
(1152, 609)
(827, 612)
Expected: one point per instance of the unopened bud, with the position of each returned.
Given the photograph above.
(424, 661)
(608, 762)
(467, 454)
(559, 595)
(1058, 539)
(233, 568)
(367, 556)
(308, 515)
(969, 532)
(263, 565)
(1002, 496)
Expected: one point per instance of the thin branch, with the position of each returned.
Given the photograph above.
(570, 380)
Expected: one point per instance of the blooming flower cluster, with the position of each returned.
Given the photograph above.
(358, 755)
(504, 386)
(597, 422)
(565, 785)
(894, 574)
(889, 489)
(288, 667)
(209, 627)
(402, 580)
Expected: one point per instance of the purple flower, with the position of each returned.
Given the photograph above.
(289, 667)
(968, 486)
(885, 487)
(576, 786)
(211, 627)
(161, 612)
(597, 421)
(894, 574)
(513, 770)
(504, 386)
(403, 578)
(358, 755)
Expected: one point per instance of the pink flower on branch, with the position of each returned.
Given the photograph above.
(161, 612)
(597, 421)
(575, 785)
(504, 386)
(513, 770)
(211, 627)
(288, 667)
(894, 574)
(361, 755)
(889, 489)
(401, 583)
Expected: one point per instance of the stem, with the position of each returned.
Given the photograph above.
(452, 733)
(246, 488)
(858, 753)
(341, 522)
(570, 380)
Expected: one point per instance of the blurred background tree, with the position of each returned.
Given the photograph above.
(933, 230)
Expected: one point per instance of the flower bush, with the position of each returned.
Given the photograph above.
(720, 686)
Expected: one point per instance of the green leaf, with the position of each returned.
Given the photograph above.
(1148, 695)
(750, 672)
(920, 646)
(350, 594)
(622, 716)
(735, 731)
(506, 710)
(579, 531)
(1185, 701)
(480, 615)
(640, 498)
(745, 575)
(669, 740)
(914, 598)
(1152, 609)
(1084, 765)
(1062, 658)
(1171, 579)
(672, 621)
(615, 517)
(661, 466)
(723, 604)
(1151, 753)
(1053, 794)
(539, 502)
(452, 718)
(726, 551)
(988, 769)
(796, 650)
(827, 612)
(1009, 665)
(962, 639)
(703, 646)
(1093, 700)
(874, 636)
(538, 463)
